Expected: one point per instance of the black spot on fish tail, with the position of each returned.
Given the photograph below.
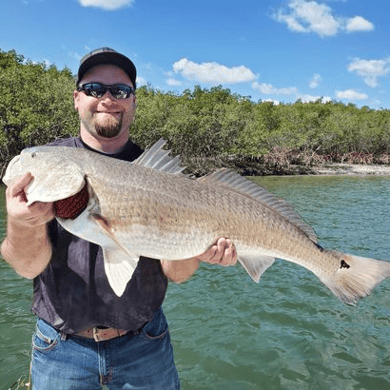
(344, 264)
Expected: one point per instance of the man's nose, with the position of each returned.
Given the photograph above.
(108, 95)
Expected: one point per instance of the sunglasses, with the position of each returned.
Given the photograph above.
(97, 90)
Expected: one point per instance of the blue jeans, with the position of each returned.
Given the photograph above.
(143, 361)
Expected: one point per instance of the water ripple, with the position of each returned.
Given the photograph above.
(288, 331)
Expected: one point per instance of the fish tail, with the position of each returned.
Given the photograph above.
(356, 277)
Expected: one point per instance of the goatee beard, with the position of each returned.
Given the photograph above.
(109, 131)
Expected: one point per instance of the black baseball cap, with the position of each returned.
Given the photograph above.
(106, 55)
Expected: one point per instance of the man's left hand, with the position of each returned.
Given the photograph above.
(222, 252)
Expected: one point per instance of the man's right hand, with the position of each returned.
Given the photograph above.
(29, 216)
(26, 247)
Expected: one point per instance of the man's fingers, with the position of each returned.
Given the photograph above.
(222, 252)
(230, 254)
(20, 184)
(227, 252)
(33, 215)
(209, 254)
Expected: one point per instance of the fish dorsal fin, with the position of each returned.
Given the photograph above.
(236, 182)
(157, 158)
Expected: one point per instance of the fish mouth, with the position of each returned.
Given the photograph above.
(9, 173)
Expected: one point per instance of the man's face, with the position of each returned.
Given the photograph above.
(105, 117)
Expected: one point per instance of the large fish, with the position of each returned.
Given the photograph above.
(149, 208)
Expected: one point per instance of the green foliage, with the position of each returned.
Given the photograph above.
(209, 123)
(36, 106)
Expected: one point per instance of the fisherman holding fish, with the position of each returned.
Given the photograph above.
(97, 289)
(88, 336)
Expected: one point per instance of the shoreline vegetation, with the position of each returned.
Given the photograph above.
(271, 165)
(208, 128)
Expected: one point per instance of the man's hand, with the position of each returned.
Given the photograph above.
(222, 253)
(27, 247)
(29, 216)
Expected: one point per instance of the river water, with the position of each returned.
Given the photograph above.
(288, 331)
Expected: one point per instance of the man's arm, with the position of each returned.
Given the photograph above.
(222, 253)
(26, 247)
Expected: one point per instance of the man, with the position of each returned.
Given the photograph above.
(87, 336)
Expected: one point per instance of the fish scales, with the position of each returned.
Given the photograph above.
(137, 210)
(215, 212)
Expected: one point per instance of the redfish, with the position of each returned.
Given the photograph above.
(150, 208)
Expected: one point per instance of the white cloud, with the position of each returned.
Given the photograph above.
(370, 70)
(292, 22)
(213, 73)
(315, 81)
(351, 94)
(309, 16)
(312, 98)
(173, 82)
(140, 81)
(274, 102)
(269, 89)
(107, 5)
(358, 24)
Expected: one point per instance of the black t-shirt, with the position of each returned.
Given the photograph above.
(73, 292)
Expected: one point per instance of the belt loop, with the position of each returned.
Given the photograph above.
(95, 333)
(64, 336)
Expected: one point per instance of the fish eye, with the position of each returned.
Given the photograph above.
(33, 154)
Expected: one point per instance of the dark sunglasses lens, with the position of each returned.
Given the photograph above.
(95, 90)
(120, 91)
(98, 90)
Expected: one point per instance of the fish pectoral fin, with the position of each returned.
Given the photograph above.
(119, 269)
(255, 265)
(119, 262)
(105, 227)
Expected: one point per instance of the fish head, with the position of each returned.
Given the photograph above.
(55, 174)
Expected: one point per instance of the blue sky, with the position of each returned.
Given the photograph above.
(280, 50)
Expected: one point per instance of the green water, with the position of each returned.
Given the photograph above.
(288, 331)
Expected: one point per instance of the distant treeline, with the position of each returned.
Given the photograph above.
(207, 127)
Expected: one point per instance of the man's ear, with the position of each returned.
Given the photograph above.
(75, 99)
